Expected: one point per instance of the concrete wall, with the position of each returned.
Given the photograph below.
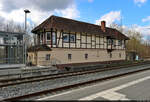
(60, 56)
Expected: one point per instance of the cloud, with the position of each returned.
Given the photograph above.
(140, 2)
(70, 12)
(110, 17)
(40, 9)
(44, 5)
(146, 19)
(144, 30)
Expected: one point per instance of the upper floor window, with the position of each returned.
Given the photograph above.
(48, 37)
(109, 41)
(41, 38)
(113, 42)
(1, 40)
(48, 34)
(66, 38)
(72, 38)
(124, 44)
(119, 42)
(54, 38)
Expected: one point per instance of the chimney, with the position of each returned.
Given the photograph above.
(103, 25)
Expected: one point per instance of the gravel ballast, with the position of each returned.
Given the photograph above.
(27, 88)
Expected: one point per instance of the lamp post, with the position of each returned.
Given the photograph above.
(26, 12)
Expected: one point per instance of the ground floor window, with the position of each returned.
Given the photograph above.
(69, 56)
(86, 56)
(48, 57)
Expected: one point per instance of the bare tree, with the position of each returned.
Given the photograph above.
(116, 26)
(12, 26)
(136, 42)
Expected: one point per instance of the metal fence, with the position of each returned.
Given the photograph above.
(11, 48)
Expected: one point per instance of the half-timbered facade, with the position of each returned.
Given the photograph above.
(73, 41)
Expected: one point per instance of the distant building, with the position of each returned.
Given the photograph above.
(67, 41)
(11, 49)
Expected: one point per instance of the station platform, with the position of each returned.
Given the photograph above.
(11, 66)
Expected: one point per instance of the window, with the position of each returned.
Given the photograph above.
(120, 55)
(69, 56)
(48, 57)
(86, 56)
(1, 40)
(113, 42)
(72, 38)
(66, 37)
(48, 36)
(41, 38)
(54, 38)
(109, 41)
(123, 43)
(119, 42)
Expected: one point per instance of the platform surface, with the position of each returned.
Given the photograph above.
(131, 87)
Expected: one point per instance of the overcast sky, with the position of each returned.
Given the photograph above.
(125, 12)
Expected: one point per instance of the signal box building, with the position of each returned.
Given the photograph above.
(66, 41)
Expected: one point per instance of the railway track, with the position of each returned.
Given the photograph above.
(17, 81)
(70, 86)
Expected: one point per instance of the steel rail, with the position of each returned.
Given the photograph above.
(51, 77)
(71, 86)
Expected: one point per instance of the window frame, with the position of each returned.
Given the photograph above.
(69, 38)
(114, 42)
(65, 41)
(46, 36)
(47, 57)
(74, 38)
(109, 41)
(1, 40)
(54, 37)
(120, 42)
(69, 56)
(41, 38)
(86, 56)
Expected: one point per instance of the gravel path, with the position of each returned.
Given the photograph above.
(22, 89)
